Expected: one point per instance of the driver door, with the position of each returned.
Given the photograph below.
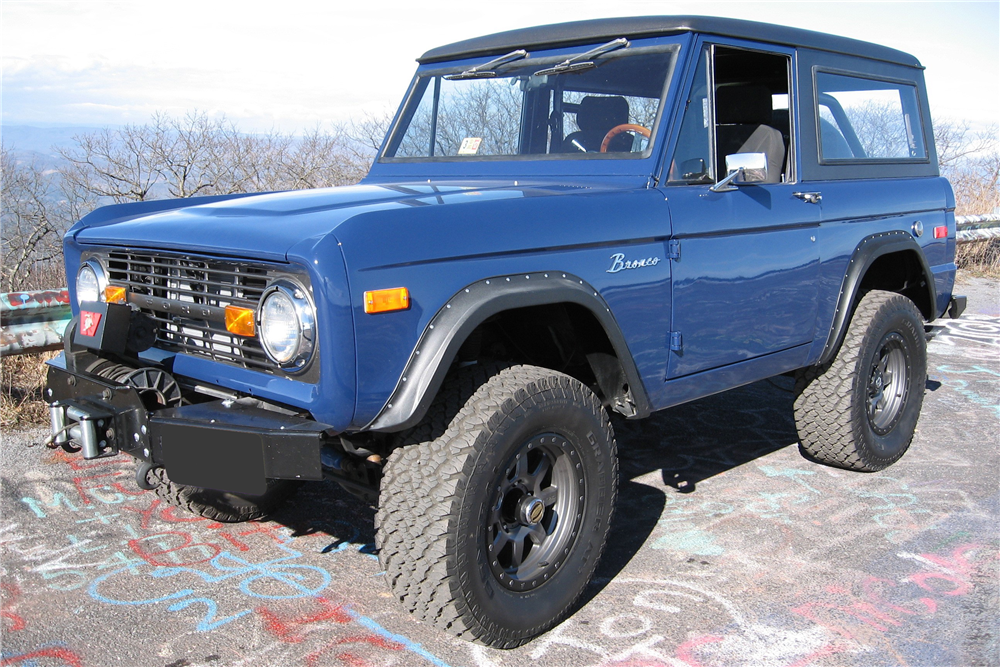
(745, 283)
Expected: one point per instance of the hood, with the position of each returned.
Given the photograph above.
(267, 226)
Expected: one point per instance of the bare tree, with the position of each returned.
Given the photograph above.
(182, 151)
(197, 155)
(117, 164)
(970, 160)
(367, 134)
(36, 209)
(308, 163)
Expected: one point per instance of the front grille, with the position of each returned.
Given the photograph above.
(201, 282)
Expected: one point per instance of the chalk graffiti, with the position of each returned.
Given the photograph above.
(273, 579)
(849, 615)
(973, 336)
(38, 657)
(321, 617)
(9, 595)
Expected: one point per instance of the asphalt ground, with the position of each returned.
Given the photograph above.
(728, 548)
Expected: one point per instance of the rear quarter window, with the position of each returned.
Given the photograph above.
(862, 119)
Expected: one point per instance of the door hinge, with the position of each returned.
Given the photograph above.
(673, 249)
(676, 341)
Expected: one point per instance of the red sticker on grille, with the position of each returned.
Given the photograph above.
(89, 322)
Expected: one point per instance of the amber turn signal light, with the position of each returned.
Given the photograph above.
(239, 321)
(385, 300)
(115, 294)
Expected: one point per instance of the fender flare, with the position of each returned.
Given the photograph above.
(871, 248)
(440, 341)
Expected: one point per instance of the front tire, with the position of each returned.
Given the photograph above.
(221, 505)
(492, 526)
(860, 411)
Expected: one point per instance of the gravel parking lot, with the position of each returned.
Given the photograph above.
(728, 548)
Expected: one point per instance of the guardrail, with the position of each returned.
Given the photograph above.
(972, 228)
(35, 321)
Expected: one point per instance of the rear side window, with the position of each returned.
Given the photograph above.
(863, 119)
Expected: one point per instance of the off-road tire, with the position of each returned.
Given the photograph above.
(221, 505)
(832, 402)
(437, 510)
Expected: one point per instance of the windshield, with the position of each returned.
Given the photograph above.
(536, 108)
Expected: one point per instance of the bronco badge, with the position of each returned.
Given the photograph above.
(619, 263)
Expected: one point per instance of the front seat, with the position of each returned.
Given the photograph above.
(595, 116)
(743, 113)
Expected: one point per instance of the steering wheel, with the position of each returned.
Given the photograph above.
(618, 129)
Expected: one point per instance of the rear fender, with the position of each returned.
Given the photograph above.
(870, 249)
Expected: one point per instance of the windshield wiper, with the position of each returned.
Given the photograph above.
(584, 61)
(485, 71)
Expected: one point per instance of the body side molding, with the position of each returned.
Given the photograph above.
(451, 325)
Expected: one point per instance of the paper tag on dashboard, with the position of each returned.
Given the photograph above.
(470, 146)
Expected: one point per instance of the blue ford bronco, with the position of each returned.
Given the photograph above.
(563, 222)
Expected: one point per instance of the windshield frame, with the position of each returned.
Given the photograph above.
(675, 45)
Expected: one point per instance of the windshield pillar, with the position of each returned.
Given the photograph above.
(434, 115)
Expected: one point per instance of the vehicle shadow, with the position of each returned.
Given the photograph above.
(681, 447)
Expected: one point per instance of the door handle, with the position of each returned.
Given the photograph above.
(809, 197)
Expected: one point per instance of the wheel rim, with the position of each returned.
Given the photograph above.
(535, 512)
(888, 382)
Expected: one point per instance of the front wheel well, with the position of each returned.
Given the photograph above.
(565, 337)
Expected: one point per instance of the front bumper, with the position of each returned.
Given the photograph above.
(222, 444)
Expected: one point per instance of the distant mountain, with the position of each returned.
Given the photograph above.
(38, 144)
(41, 141)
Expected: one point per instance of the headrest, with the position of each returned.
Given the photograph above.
(600, 114)
(743, 105)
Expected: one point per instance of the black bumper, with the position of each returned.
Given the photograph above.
(225, 445)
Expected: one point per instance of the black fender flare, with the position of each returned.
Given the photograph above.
(868, 250)
(440, 341)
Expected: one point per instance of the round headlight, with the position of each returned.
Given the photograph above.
(287, 325)
(90, 282)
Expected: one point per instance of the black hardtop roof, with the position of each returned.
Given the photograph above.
(587, 32)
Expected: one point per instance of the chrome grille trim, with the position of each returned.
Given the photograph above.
(200, 281)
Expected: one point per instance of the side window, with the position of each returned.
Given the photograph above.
(867, 119)
(693, 161)
(739, 103)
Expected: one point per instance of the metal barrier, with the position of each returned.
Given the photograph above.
(972, 228)
(35, 321)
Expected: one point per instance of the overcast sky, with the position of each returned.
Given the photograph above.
(292, 65)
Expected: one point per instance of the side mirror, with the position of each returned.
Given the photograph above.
(693, 168)
(742, 168)
(752, 167)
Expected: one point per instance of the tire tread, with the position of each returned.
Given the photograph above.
(823, 394)
(424, 477)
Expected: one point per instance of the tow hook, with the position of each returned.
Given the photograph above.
(84, 425)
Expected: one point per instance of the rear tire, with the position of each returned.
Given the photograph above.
(495, 511)
(860, 411)
(221, 505)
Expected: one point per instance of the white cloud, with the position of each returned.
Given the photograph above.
(310, 62)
